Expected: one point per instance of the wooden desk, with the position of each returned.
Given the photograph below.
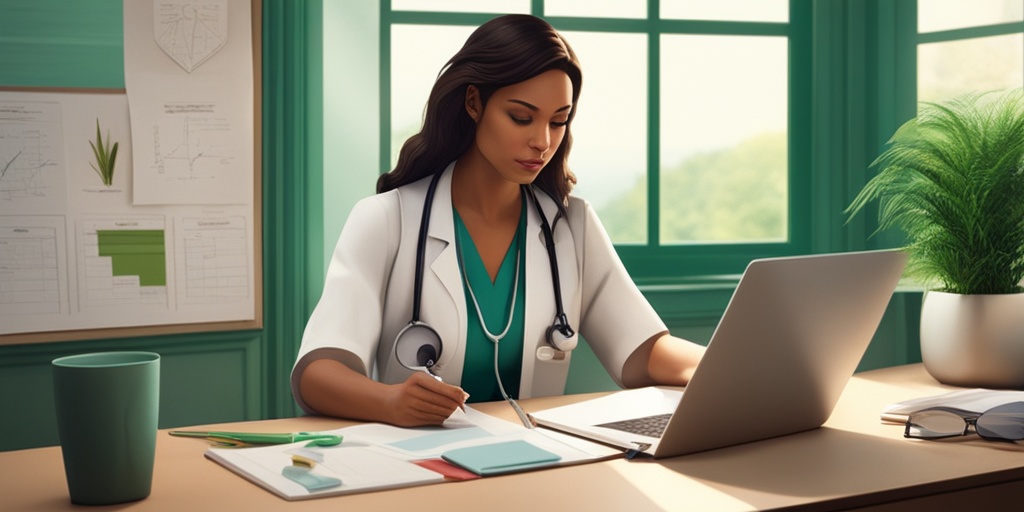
(855, 461)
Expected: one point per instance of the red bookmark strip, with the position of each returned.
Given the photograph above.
(450, 471)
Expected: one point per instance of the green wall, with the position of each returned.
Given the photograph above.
(308, 187)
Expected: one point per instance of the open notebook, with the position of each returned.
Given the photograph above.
(788, 342)
(374, 456)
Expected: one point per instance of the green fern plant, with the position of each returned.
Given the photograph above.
(952, 180)
(106, 156)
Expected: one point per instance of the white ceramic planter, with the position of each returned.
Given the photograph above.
(974, 340)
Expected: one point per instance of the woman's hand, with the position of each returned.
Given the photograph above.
(333, 389)
(423, 400)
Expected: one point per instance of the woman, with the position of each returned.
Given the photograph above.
(492, 157)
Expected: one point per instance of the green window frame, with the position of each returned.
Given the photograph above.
(652, 262)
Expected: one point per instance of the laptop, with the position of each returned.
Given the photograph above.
(791, 337)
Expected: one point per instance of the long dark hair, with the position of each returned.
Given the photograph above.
(504, 51)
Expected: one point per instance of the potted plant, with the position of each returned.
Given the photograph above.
(952, 180)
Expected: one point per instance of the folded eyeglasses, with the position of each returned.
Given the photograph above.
(1001, 423)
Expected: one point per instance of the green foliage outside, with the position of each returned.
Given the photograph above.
(736, 194)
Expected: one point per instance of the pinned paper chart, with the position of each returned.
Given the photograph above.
(124, 262)
(190, 31)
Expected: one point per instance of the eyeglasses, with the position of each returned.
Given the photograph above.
(1001, 423)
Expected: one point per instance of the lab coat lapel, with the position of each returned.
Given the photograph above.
(545, 377)
(442, 260)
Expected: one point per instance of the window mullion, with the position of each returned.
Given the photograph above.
(385, 86)
(537, 8)
(653, 125)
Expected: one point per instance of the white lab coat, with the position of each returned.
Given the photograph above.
(368, 293)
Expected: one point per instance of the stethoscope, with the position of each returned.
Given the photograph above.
(418, 346)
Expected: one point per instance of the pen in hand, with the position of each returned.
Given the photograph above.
(430, 371)
(432, 374)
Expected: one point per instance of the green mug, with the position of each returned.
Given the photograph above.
(107, 406)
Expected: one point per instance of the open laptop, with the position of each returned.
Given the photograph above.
(789, 340)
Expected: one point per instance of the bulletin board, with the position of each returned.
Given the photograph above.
(137, 211)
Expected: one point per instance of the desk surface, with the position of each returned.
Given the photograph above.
(853, 461)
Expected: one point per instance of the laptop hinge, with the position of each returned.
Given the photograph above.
(640, 449)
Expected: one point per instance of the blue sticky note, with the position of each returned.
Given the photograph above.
(497, 458)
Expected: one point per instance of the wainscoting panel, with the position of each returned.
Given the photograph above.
(205, 378)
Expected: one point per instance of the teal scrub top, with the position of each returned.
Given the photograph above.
(495, 301)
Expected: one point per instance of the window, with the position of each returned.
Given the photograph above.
(968, 47)
(687, 121)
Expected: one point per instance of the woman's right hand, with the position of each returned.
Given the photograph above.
(333, 389)
(423, 400)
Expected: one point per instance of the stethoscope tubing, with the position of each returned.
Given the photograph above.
(421, 248)
(549, 244)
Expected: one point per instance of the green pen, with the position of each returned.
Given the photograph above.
(252, 438)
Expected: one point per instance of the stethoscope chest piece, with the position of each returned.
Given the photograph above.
(418, 347)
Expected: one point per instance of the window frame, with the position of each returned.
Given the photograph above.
(650, 262)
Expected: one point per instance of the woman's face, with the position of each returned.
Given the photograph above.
(523, 124)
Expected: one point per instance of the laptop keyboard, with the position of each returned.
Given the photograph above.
(650, 426)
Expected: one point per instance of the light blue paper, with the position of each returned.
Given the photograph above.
(311, 481)
(433, 441)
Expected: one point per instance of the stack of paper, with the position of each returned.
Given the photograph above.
(974, 400)
(375, 456)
